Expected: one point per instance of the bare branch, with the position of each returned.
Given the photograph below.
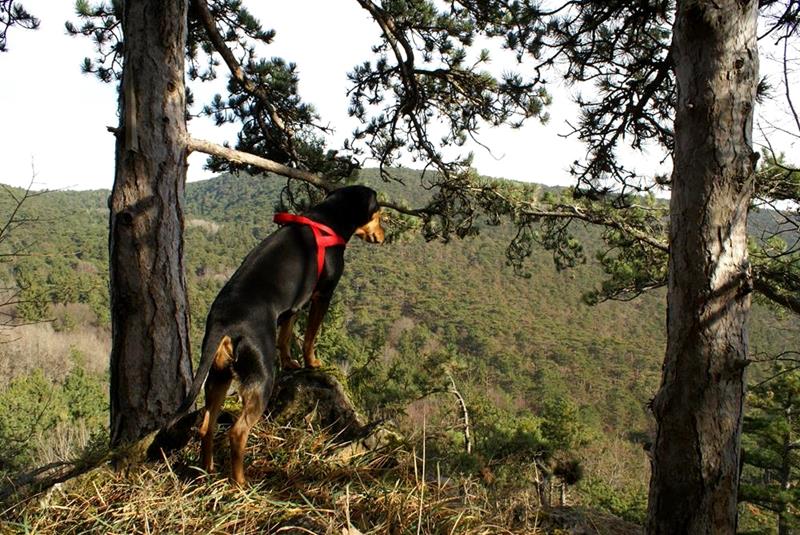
(206, 147)
(464, 414)
(786, 84)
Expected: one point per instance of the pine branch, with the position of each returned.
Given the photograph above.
(14, 14)
(237, 156)
(233, 64)
(574, 212)
(240, 76)
(774, 294)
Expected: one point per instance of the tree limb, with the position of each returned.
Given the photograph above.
(206, 147)
(464, 414)
(576, 213)
(233, 64)
(773, 294)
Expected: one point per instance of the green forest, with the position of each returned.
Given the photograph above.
(617, 355)
(553, 385)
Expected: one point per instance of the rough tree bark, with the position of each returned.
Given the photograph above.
(150, 359)
(698, 408)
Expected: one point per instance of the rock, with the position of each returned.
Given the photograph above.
(316, 398)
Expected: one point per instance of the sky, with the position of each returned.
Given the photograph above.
(53, 125)
(55, 117)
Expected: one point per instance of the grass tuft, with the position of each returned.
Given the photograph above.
(300, 482)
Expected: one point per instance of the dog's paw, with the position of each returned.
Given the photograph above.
(290, 364)
(313, 363)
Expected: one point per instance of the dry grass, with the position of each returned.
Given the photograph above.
(39, 346)
(206, 225)
(62, 443)
(300, 483)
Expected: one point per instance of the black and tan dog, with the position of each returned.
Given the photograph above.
(250, 322)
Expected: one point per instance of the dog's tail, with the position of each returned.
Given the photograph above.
(212, 343)
(177, 433)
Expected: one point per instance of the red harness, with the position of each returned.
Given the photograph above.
(324, 236)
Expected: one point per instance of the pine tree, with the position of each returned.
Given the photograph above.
(696, 62)
(771, 444)
(144, 46)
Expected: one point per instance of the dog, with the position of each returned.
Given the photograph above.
(250, 322)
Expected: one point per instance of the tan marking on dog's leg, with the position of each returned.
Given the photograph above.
(253, 404)
(285, 336)
(316, 313)
(216, 391)
(224, 356)
(217, 384)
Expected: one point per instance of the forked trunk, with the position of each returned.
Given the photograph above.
(698, 408)
(150, 360)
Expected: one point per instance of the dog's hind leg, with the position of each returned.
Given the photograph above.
(255, 392)
(216, 388)
(253, 404)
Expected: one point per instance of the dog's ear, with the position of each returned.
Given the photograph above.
(362, 202)
(372, 202)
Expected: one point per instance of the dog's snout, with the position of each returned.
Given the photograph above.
(372, 232)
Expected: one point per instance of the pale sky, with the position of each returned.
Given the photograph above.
(54, 117)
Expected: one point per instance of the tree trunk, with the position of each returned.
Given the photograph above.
(150, 359)
(698, 407)
(785, 477)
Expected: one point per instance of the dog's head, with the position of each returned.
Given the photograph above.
(372, 231)
(363, 210)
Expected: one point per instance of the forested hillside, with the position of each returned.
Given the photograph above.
(543, 373)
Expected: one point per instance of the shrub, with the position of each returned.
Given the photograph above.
(42, 421)
(629, 505)
(30, 405)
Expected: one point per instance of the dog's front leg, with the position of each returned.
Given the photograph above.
(319, 306)
(285, 335)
